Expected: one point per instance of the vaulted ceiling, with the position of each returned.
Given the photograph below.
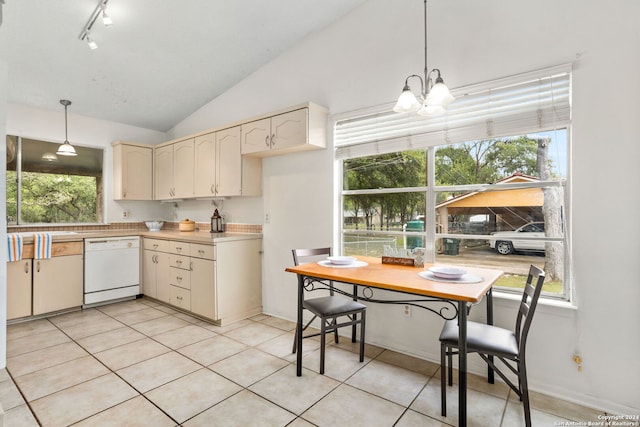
(160, 60)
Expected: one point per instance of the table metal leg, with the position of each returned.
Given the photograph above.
(299, 327)
(462, 363)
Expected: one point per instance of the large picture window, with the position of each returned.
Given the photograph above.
(496, 200)
(43, 188)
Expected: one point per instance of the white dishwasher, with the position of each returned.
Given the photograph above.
(111, 268)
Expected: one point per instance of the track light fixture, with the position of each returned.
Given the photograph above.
(434, 94)
(100, 10)
(106, 19)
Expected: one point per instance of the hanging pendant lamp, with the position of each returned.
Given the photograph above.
(66, 149)
(434, 95)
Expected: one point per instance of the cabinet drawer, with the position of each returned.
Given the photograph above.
(180, 278)
(67, 248)
(180, 248)
(203, 251)
(180, 297)
(180, 261)
(156, 245)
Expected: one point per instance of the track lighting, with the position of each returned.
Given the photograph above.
(101, 9)
(106, 19)
(92, 45)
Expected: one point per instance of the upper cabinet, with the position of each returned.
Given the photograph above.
(297, 130)
(221, 170)
(222, 162)
(174, 170)
(132, 171)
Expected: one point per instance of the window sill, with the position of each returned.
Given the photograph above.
(507, 299)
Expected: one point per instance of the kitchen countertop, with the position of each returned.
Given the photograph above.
(203, 237)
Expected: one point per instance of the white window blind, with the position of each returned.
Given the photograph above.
(525, 103)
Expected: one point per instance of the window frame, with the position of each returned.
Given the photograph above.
(342, 153)
(100, 184)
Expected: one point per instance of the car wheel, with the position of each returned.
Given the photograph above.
(504, 248)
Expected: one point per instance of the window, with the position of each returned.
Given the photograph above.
(486, 184)
(43, 188)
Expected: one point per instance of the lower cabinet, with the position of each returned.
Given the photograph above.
(203, 288)
(57, 283)
(40, 286)
(19, 289)
(221, 282)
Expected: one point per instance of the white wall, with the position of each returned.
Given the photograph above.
(362, 60)
(48, 125)
(3, 217)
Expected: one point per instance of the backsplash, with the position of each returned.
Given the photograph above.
(134, 226)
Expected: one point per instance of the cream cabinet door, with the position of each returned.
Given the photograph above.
(57, 283)
(239, 290)
(163, 172)
(203, 288)
(205, 165)
(18, 289)
(133, 172)
(289, 129)
(183, 173)
(162, 279)
(229, 162)
(256, 136)
(149, 273)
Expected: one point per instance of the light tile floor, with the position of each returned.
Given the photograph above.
(140, 363)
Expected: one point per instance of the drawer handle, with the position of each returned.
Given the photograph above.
(179, 279)
(26, 267)
(200, 251)
(266, 140)
(178, 262)
(179, 249)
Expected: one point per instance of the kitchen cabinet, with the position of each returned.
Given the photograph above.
(58, 281)
(238, 279)
(206, 280)
(297, 130)
(19, 289)
(220, 168)
(203, 281)
(132, 171)
(174, 170)
(155, 269)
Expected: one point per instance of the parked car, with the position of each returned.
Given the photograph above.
(507, 242)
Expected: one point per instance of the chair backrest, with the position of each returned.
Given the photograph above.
(301, 256)
(532, 290)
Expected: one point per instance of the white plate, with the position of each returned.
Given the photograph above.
(467, 278)
(444, 272)
(356, 263)
(341, 260)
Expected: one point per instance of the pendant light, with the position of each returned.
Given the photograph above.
(434, 95)
(66, 149)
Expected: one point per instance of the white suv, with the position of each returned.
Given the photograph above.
(507, 242)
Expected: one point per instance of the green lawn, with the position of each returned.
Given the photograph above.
(517, 282)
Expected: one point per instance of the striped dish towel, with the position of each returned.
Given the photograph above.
(14, 249)
(42, 245)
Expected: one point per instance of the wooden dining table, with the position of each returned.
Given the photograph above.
(447, 299)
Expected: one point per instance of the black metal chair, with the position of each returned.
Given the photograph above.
(330, 308)
(493, 342)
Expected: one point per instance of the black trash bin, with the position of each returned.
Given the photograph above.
(414, 241)
(451, 246)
